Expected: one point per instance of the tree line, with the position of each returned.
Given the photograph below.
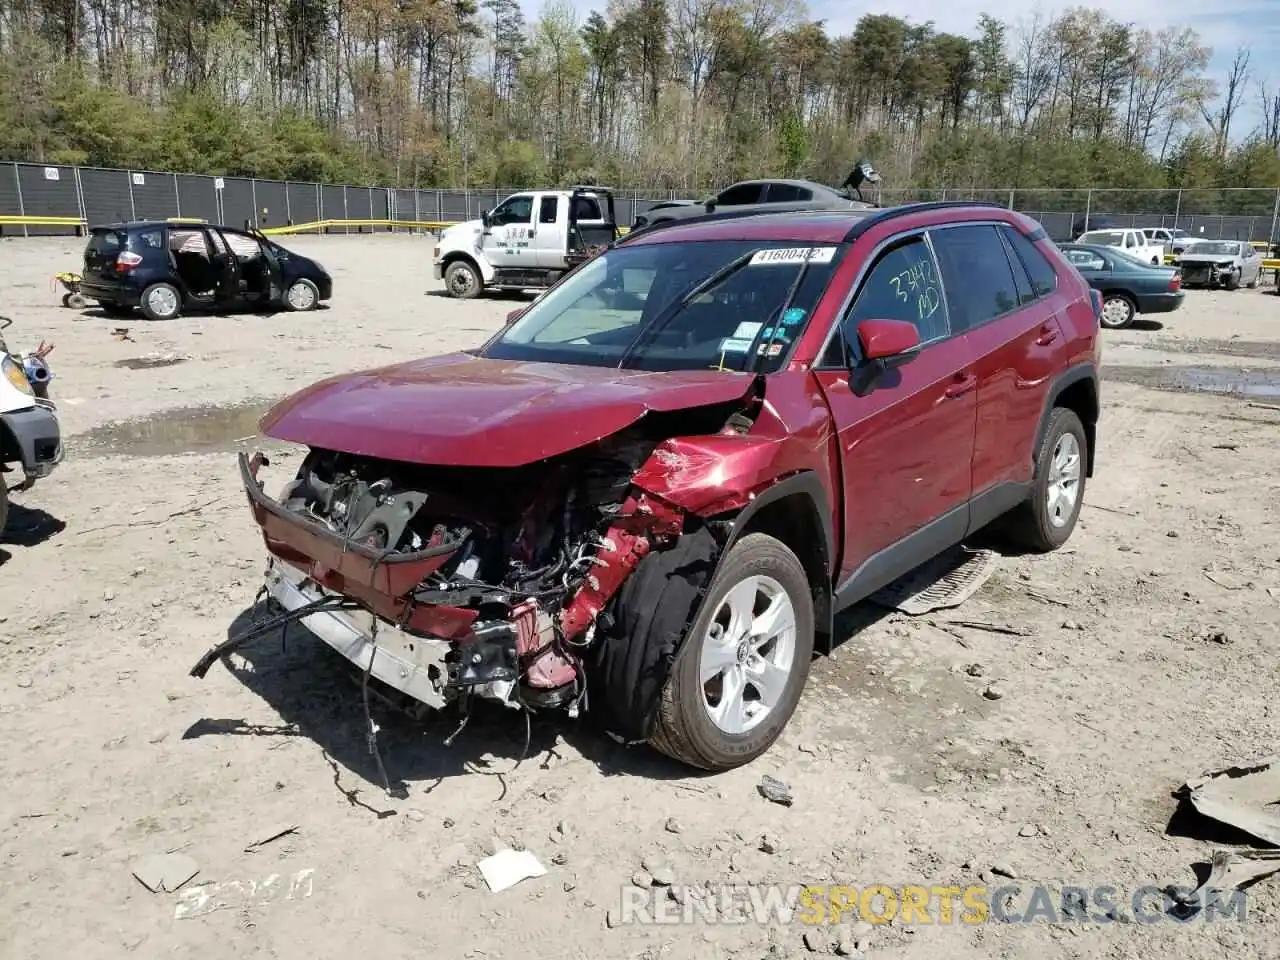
(684, 95)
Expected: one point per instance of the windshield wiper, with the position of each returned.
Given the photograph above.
(670, 312)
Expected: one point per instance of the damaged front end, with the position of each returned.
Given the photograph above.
(447, 582)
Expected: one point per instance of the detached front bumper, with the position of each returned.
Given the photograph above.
(415, 666)
(38, 439)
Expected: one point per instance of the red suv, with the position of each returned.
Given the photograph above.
(648, 496)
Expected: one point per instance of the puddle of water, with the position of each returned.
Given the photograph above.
(187, 430)
(148, 363)
(1223, 380)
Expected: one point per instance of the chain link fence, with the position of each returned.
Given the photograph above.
(39, 200)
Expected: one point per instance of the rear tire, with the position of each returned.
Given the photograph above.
(161, 301)
(462, 280)
(1045, 521)
(760, 586)
(1253, 284)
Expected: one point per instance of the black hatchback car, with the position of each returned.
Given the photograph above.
(165, 267)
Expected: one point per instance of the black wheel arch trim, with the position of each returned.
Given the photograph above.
(806, 486)
(1085, 370)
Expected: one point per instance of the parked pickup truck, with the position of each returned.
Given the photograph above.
(648, 495)
(1130, 241)
(527, 242)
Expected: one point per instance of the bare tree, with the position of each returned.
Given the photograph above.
(1233, 91)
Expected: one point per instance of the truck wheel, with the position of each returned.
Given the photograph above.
(739, 673)
(462, 280)
(1117, 311)
(1045, 521)
(4, 504)
(161, 301)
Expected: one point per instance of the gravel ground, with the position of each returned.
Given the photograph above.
(922, 754)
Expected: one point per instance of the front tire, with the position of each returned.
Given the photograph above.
(161, 301)
(1233, 280)
(462, 280)
(1117, 311)
(302, 295)
(1046, 520)
(741, 669)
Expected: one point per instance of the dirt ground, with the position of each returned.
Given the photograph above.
(1141, 655)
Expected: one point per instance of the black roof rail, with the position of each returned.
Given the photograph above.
(902, 209)
(740, 215)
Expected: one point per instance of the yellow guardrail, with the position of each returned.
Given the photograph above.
(41, 221)
(317, 225)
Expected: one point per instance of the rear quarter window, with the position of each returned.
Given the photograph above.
(1044, 280)
(104, 242)
(145, 241)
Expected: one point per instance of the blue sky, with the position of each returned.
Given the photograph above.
(1226, 25)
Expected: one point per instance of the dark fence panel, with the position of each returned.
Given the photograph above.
(359, 206)
(48, 191)
(272, 203)
(198, 198)
(304, 202)
(333, 205)
(406, 206)
(380, 202)
(106, 196)
(9, 205)
(453, 205)
(154, 195)
(237, 202)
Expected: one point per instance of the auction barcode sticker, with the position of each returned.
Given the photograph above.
(793, 255)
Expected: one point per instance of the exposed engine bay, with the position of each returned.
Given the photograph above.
(506, 573)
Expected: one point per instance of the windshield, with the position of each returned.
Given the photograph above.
(1108, 238)
(1215, 248)
(722, 304)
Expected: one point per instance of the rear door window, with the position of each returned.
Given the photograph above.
(976, 274)
(548, 209)
(586, 208)
(787, 193)
(739, 195)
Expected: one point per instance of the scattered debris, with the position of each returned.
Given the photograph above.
(673, 825)
(281, 832)
(993, 692)
(1045, 598)
(1226, 446)
(769, 844)
(775, 791)
(1004, 870)
(203, 900)
(1233, 868)
(1071, 625)
(165, 872)
(1226, 582)
(1123, 513)
(987, 627)
(1263, 406)
(974, 670)
(1028, 830)
(508, 867)
(642, 880)
(946, 581)
(122, 334)
(151, 361)
(664, 876)
(1243, 797)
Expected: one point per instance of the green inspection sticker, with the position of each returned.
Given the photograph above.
(793, 315)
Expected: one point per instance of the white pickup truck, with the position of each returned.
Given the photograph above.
(527, 242)
(1133, 242)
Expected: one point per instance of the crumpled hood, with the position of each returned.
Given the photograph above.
(462, 410)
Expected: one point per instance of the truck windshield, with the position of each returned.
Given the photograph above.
(720, 304)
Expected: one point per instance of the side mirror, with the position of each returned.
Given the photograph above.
(515, 315)
(710, 205)
(886, 345)
(486, 218)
